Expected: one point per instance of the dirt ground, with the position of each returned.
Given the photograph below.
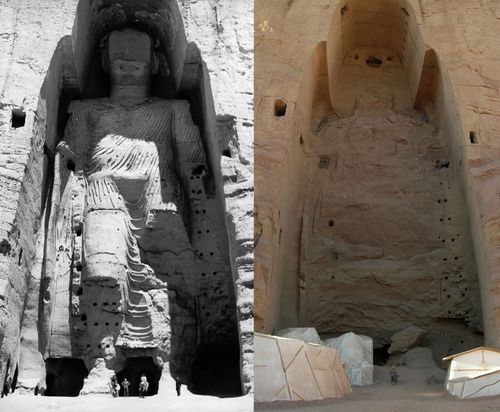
(411, 394)
(103, 403)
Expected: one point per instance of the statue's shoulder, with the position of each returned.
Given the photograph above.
(89, 106)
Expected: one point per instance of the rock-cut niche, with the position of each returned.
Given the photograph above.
(136, 275)
(386, 233)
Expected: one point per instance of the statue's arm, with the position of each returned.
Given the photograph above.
(189, 145)
(76, 134)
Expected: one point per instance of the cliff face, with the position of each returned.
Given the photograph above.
(376, 168)
(47, 59)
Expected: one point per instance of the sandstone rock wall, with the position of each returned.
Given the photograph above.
(36, 76)
(444, 54)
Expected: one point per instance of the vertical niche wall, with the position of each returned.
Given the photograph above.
(385, 231)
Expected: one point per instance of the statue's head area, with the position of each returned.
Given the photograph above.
(128, 58)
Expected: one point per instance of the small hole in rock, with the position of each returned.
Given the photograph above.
(473, 137)
(18, 118)
(226, 153)
(279, 108)
(70, 165)
(330, 223)
(324, 162)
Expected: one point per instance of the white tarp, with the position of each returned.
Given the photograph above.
(474, 373)
(291, 369)
(306, 334)
(356, 352)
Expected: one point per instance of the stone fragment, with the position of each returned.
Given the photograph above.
(419, 358)
(356, 353)
(406, 339)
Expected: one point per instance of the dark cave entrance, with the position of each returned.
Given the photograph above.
(64, 376)
(216, 370)
(381, 355)
(133, 371)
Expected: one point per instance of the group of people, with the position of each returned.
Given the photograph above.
(143, 386)
(115, 387)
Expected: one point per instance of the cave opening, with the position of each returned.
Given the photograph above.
(215, 370)
(64, 376)
(134, 369)
(381, 355)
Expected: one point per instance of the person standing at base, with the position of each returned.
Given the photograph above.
(125, 385)
(178, 385)
(394, 375)
(143, 386)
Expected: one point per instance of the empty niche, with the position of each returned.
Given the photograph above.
(279, 108)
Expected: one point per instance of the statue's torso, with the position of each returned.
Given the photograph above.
(131, 148)
(131, 141)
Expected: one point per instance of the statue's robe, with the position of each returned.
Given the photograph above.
(121, 172)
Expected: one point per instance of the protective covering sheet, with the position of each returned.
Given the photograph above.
(291, 369)
(306, 334)
(356, 352)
